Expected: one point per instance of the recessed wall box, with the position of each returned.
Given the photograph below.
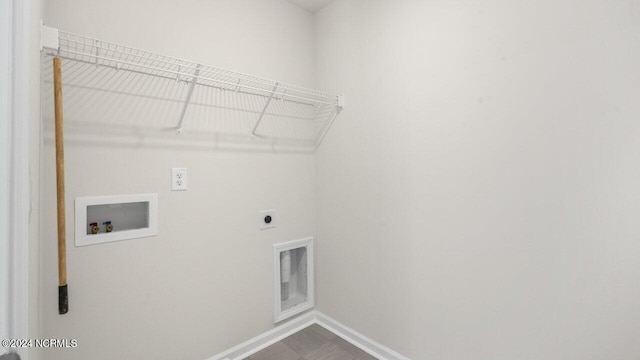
(119, 217)
(293, 278)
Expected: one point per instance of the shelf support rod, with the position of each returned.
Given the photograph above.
(264, 109)
(335, 114)
(192, 86)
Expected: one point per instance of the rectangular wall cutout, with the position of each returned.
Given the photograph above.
(101, 219)
(293, 278)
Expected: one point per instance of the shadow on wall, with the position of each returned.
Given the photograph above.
(110, 107)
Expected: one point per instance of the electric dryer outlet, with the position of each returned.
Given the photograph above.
(267, 219)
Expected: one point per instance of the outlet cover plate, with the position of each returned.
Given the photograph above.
(179, 179)
(267, 219)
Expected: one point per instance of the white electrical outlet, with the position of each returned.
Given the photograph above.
(267, 219)
(179, 179)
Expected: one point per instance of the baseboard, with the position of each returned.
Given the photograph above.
(270, 337)
(368, 345)
(278, 333)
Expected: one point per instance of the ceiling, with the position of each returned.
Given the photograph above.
(312, 5)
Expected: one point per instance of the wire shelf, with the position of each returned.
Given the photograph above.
(203, 98)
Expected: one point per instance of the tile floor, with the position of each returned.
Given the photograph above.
(312, 343)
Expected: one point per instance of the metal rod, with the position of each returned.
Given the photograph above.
(266, 105)
(329, 123)
(186, 101)
(63, 298)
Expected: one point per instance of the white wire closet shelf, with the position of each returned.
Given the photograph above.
(185, 95)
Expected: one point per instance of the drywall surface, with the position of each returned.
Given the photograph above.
(478, 196)
(204, 284)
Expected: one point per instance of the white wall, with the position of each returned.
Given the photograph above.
(202, 285)
(478, 196)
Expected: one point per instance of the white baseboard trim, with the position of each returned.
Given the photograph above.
(270, 337)
(278, 333)
(368, 345)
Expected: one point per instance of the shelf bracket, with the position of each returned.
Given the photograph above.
(49, 38)
(336, 112)
(264, 109)
(192, 86)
